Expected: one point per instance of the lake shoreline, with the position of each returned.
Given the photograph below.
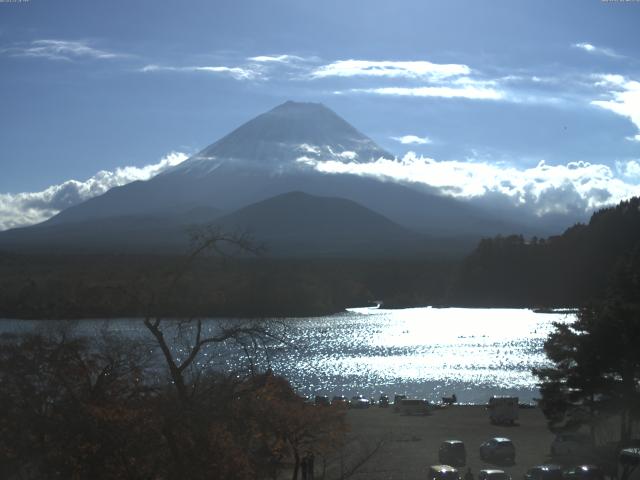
(297, 316)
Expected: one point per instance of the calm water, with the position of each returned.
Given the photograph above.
(421, 352)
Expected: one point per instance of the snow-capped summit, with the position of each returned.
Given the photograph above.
(294, 132)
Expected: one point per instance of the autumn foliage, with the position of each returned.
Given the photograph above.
(71, 408)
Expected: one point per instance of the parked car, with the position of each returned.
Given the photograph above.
(493, 474)
(544, 472)
(358, 401)
(571, 444)
(442, 472)
(629, 463)
(339, 400)
(383, 402)
(322, 400)
(452, 452)
(584, 472)
(498, 449)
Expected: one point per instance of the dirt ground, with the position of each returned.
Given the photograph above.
(408, 445)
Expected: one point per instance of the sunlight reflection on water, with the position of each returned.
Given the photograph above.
(421, 352)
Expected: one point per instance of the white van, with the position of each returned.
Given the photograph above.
(503, 409)
(414, 407)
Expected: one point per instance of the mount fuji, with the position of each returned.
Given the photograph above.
(267, 157)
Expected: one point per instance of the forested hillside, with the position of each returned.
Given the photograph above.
(567, 270)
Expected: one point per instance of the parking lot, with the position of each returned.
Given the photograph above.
(409, 444)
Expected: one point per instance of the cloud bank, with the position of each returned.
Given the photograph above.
(22, 209)
(285, 58)
(469, 92)
(416, 69)
(237, 73)
(577, 187)
(59, 50)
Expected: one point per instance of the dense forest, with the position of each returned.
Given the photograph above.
(101, 286)
(568, 270)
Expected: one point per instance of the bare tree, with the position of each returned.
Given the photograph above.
(188, 424)
(206, 240)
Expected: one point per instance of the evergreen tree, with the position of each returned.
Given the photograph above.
(596, 359)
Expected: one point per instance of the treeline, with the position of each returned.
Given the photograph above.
(569, 270)
(104, 286)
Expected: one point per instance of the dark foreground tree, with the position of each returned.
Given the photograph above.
(76, 408)
(596, 360)
(71, 408)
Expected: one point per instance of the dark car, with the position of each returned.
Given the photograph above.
(544, 472)
(493, 474)
(452, 452)
(584, 472)
(322, 400)
(498, 449)
(571, 444)
(339, 400)
(628, 462)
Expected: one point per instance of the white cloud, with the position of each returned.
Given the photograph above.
(576, 186)
(390, 69)
(276, 58)
(59, 50)
(412, 139)
(348, 155)
(623, 98)
(237, 73)
(469, 91)
(630, 169)
(590, 48)
(21, 209)
(305, 147)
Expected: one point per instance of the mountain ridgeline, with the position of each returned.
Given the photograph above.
(270, 156)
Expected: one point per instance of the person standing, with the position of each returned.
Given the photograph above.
(468, 475)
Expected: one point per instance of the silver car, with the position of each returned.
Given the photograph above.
(498, 449)
(493, 474)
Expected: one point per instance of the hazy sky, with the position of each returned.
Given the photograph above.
(473, 86)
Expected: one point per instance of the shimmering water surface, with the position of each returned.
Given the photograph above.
(421, 352)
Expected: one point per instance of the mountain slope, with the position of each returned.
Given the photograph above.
(260, 159)
(153, 234)
(263, 158)
(291, 224)
(296, 224)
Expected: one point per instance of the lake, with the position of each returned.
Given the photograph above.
(421, 352)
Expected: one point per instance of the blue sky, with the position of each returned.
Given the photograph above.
(478, 87)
